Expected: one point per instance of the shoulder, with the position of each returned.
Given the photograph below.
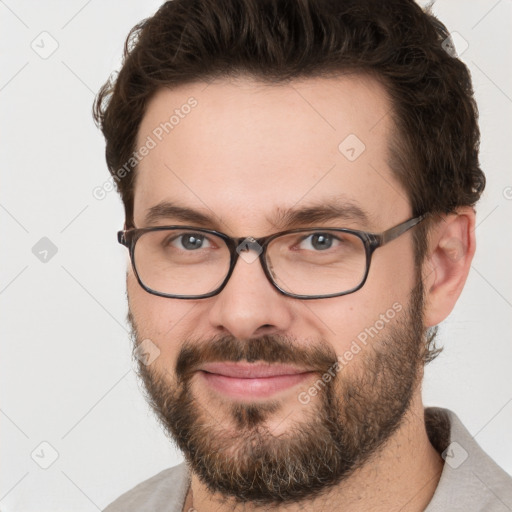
(471, 479)
(165, 491)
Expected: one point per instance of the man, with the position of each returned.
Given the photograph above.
(298, 180)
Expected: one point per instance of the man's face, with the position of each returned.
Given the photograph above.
(245, 153)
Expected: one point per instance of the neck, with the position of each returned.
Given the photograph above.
(402, 476)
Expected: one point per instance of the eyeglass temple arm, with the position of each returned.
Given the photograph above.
(395, 232)
(121, 238)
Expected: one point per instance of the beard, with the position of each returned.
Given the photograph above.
(234, 452)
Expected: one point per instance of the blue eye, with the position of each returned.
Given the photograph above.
(190, 241)
(319, 241)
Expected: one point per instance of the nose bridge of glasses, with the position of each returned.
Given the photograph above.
(248, 248)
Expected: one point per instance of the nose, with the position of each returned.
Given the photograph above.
(249, 305)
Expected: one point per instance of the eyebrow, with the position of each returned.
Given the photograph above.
(281, 218)
(166, 210)
(316, 214)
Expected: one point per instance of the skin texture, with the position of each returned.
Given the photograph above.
(245, 151)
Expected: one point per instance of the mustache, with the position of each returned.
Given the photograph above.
(267, 349)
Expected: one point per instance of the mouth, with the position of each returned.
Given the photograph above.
(249, 381)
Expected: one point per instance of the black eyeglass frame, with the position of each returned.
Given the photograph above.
(371, 241)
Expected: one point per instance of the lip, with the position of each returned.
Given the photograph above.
(251, 370)
(249, 381)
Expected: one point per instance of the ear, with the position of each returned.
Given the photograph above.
(451, 247)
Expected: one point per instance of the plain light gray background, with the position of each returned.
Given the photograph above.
(66, 373)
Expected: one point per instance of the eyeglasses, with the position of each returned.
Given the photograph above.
(186, 262)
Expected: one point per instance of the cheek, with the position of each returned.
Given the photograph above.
(364, 317)
(346, 321)
(392, 273)
(158, 319)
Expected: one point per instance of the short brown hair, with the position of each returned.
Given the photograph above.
(434, 153)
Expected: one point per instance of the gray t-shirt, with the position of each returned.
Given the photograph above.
(470, 482)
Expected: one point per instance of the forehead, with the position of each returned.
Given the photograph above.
(239, 150)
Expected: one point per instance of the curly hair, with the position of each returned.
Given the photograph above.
(434, 151)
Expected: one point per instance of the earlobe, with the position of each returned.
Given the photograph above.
(451, 247)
